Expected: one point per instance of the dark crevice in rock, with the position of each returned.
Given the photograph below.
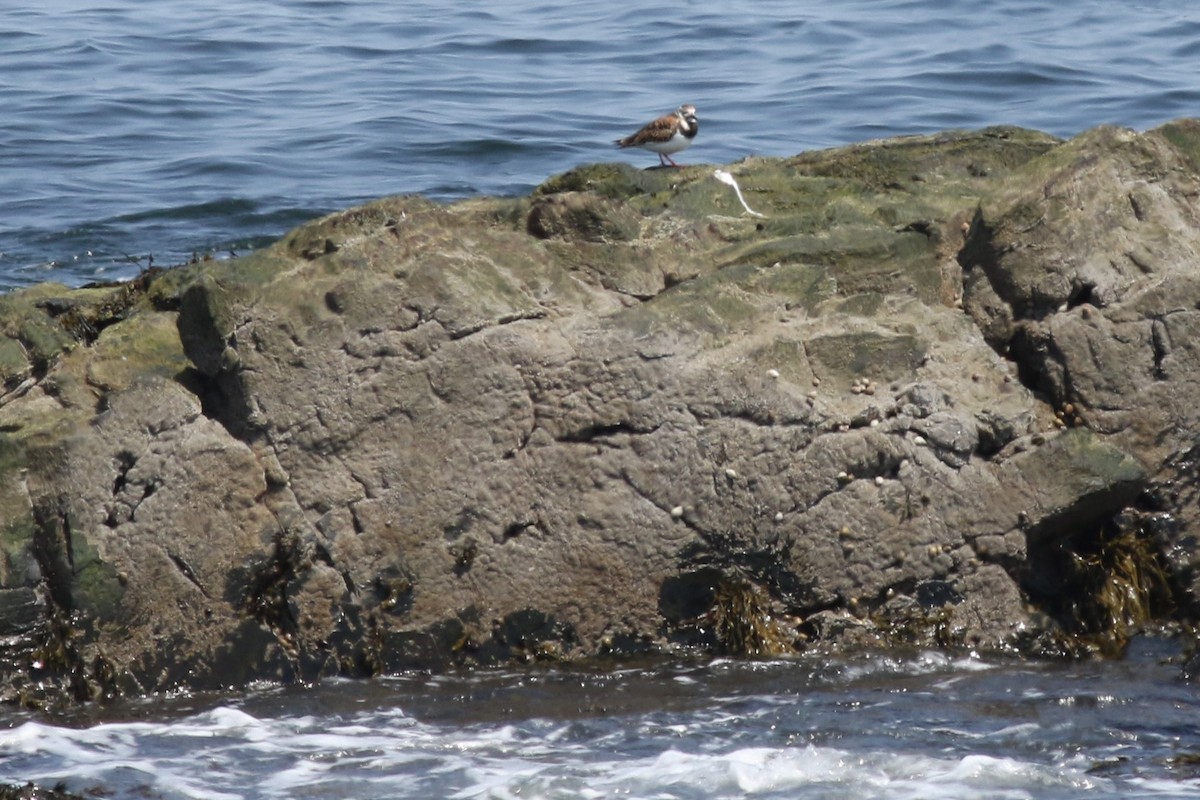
(671, 280)
(1030, 349)
(125, 462)
(515, 529)
(926, 228)
(113, 519)
(641, 297)
(762, 417)
(222, 400)
(187, 572)
(321, 554)
(766, 564)
(1160, 343)
(1083, 293)
(526, 635)
(979, 249)
(456, 334)
(356, 520)
(600, 433)
(1139, 213)
(995, 432)
(212, 346)
(688, 595)
(52, 550)
(1011, 328)
(937, 594)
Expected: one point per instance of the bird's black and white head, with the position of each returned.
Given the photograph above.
(687, 116)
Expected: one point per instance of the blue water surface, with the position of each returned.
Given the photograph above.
(173, 129)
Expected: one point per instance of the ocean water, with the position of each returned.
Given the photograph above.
(176, 129)
(920, 727)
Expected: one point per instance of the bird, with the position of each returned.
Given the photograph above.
(668, 134)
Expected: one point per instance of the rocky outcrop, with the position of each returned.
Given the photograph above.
(939, 393)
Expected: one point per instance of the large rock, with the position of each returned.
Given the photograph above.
(620, 415)
(1083, 268)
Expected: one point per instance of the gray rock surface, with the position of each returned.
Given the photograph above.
(941, 394)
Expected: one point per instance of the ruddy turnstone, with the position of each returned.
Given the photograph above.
(666, 135)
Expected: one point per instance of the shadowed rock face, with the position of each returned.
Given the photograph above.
(939, 394)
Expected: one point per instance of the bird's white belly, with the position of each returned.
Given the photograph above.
(673, 145)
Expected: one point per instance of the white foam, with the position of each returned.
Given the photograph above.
(709, 752)
(924, 663)
(305, 772)
(780, 772)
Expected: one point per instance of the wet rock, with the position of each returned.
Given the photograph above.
(31, 792)
(621, 415)
(1082, 268)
